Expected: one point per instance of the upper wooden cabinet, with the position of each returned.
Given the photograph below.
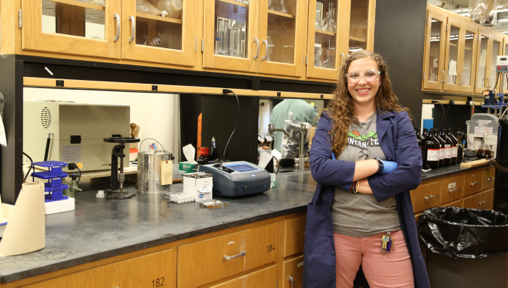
(459, 55)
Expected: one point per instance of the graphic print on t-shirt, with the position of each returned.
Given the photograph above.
(363, 141)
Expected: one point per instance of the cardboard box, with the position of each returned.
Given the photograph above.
(199, 184)
(186, 167)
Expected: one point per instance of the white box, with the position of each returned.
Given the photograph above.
(199, 184)
(69, 122)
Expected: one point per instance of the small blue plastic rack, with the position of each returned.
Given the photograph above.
(54, 187)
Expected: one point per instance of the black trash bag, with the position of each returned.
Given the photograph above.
(464, 233)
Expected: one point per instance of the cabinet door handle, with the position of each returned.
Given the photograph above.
(117, 17)
(242, 253)
(292, 281)
(490, 82)
(452, 190)
(133, 27)
(343, 59)
(480, 205)
(490, 178)
(463, 79)
(428, 197)
(474, 183)
(442, 78)
(266, 50)
(257, 53)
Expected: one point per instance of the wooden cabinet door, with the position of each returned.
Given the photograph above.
(473, 202)
(451, 189)
(472, 183)
(467, 65)
(168, 40)
(434, 53)
(505, 52)
(294, 233)
(362, 25)
(293, 273)
(427, 196)
(153, 270)
(497, 50)
(488, 199)
(283, 33)
(454, 55)
(224, 256)
(72, 27)
(320, 41)
(231, 30)
(483, 59)
(488, 178)
(263, 278)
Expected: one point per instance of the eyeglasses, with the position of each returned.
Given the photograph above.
(369, 76)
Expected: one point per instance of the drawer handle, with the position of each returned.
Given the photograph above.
(490, 178)
(452, 190)
(117, 36)
(242, 253)
(484, 205)
(428, 197)
(292, 281)
(475, 183)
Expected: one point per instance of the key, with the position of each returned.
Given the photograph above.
(384, 243)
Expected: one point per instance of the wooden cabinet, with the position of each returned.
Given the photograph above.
(292, 273)
(434, 52)
(488, 179)
(294, 233)
(210, 260)
(154, 270)
(451, 189)
(263, 278)
(472, 183)
(489, 47)
(427, 196)
(484, 200)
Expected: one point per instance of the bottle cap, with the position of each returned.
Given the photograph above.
(100, 194)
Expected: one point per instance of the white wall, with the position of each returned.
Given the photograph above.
(158, 114)
(264, 116)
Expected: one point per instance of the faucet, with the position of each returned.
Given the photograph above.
(302, 130)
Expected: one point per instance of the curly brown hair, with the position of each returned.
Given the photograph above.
(341, 111)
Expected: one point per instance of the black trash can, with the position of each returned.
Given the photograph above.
(465, 247)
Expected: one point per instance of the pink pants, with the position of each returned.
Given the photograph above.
(392, 269)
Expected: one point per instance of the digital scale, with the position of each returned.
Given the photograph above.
(237, 179)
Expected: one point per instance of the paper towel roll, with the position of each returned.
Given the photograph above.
(26, 229)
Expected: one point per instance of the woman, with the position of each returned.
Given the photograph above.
(365, 158)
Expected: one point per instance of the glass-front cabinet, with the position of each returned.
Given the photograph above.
(164, 31)
(434, 52)
(497, 50)
(361, 27)
(263, 36)
(483, 81)
(90, 28)
(505, 52)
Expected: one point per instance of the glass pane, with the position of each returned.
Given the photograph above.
(85, 18)
(468, 58)
(435, 50)
(505, 81)
(325, 38)
(281, 32)
(231, 28)
(483, 60)
(359, 24)
(160, 25)
(453, 52)
(496, 50)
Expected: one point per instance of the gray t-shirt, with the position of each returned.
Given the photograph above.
(361, 215)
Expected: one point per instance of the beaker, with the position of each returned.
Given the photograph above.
(318, 20)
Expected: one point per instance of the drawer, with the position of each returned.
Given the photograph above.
(457, 204)
(427, 196)
(144, 271)
(451, 189)
(472, 183)
(294, 234)
(263, 278)
(293, 273)
(488, 178)
(488, 199)
(474, 202)
(217, 258)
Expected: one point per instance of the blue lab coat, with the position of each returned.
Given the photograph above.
(398, 142)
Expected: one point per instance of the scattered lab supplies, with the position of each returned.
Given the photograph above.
(26, 229)
(199, 184)
(189, 166)
(179, 198)
(213, 204)
(100, 194)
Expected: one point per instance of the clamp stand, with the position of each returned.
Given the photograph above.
(117, 178)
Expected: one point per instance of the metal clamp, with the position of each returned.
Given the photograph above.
(266, 50)
(133, 27)
(292, 281)
(242, 253)
(257, 53)
(452, 190)
(428, 197)
(474, 183)
(117, 17)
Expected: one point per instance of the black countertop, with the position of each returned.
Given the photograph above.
(101, 228)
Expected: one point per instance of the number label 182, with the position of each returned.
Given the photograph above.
(159, 282)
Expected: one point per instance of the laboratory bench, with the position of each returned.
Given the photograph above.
(148, 241)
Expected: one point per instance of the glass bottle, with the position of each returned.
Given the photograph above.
(454, 141)
(430, 152)
(442, 149)
(425, 133)
(447, 148)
